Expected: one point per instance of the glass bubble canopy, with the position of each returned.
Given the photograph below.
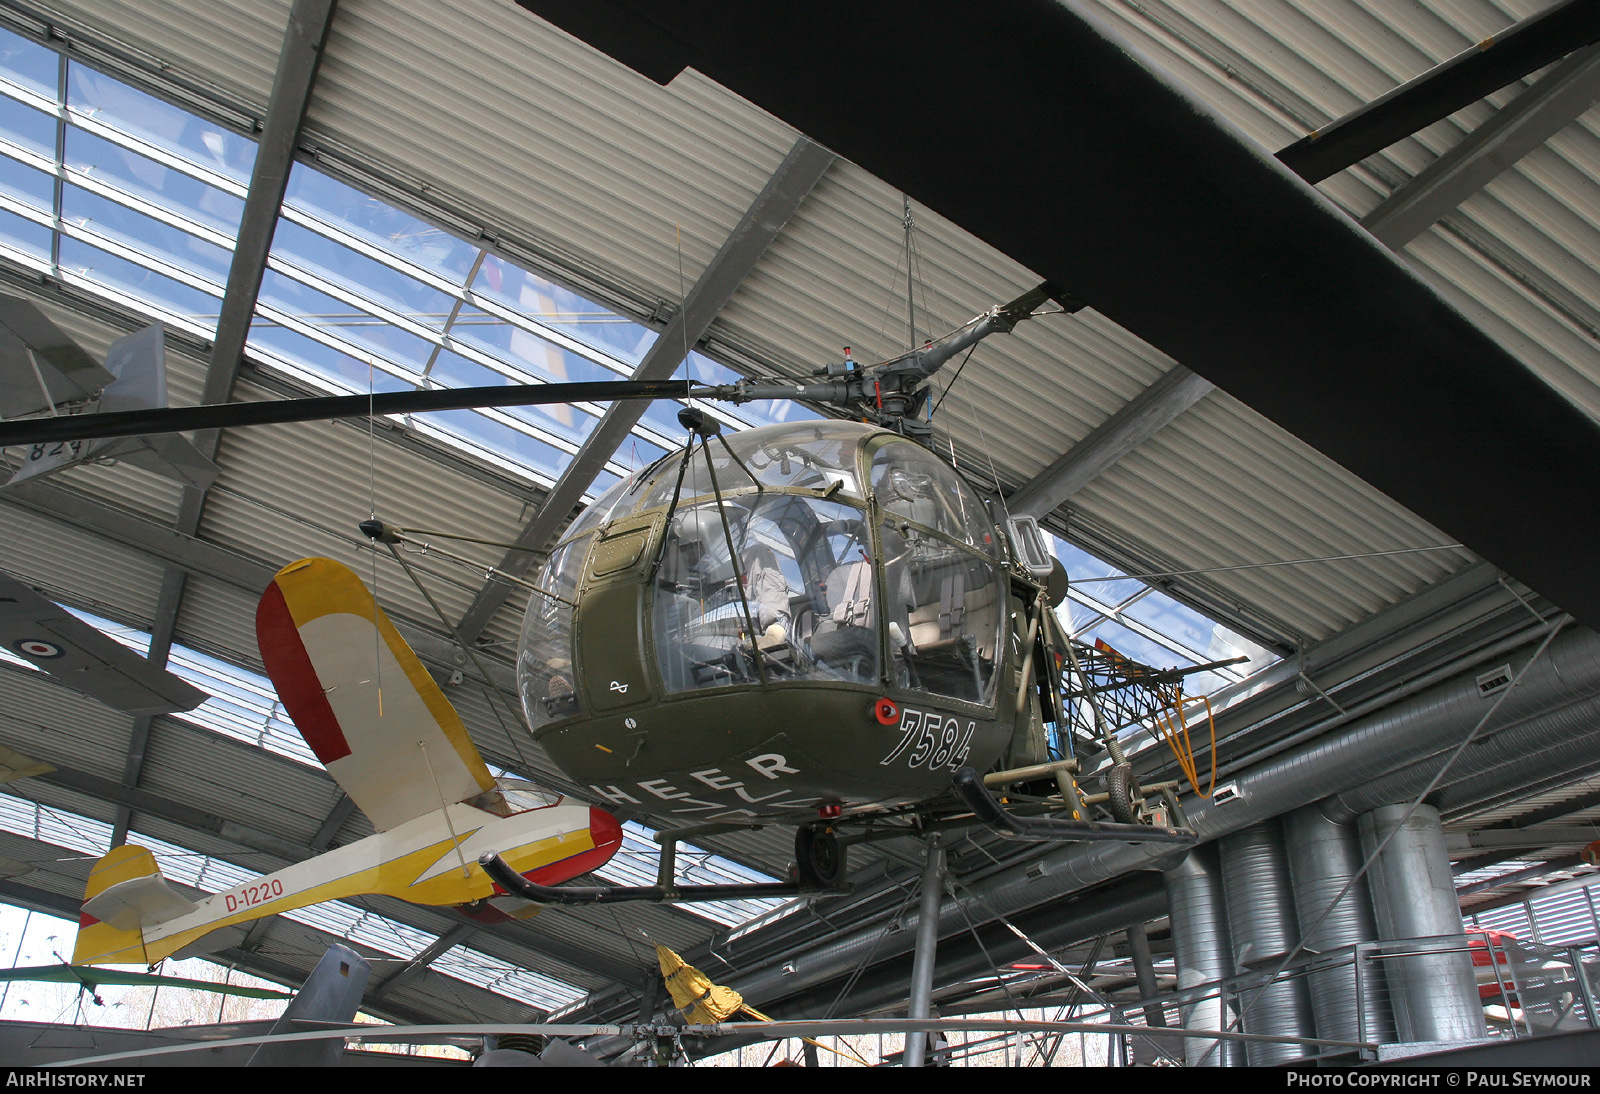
(846, 553)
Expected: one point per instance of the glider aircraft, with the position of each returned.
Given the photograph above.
(386, 733)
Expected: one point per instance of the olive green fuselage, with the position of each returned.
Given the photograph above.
(831, 622)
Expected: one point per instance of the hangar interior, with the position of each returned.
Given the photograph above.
(385, 195)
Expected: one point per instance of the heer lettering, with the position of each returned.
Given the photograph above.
(769, 763)
(716, 780)
(615, 796)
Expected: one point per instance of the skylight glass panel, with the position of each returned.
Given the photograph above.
(524, 350)
(1563, 918)
(146, 235)
(393, 230)
(506, 979)
(385, 285)
(638, 860)
(531, 295)
(28, 128)
(27, 185)
(564, 420)
(501, 439)
(29, 65)
(1134, 645)
(242, 705)
(28, 241)
(55, 826)
(341, 321)
(193, 868)
(1499, 869)
(325, 365)
(149, 180)
(164, 296)
(205, 144)
(1089, 575)
(703, 370)
(1513, 920)
(1078, 617)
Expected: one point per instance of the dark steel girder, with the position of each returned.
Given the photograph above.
(1106, 179)
(800, 170)
(1465, 78)
(193, 555)
(166, 621)
(1535, 116)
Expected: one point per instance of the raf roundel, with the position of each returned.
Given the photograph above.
(37, 647)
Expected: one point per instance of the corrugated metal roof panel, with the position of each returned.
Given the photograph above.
(236, 781)
(77, 568)
(53, 723)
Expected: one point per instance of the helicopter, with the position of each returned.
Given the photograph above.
(817, 624)
(820, 624)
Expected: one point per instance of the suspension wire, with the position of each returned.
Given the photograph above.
(953, 378)
(372, 513)
(1556, 623)
(1066, 1011)
(972, 411)
(972, 929)
(1058, 966)
(490, 689)
(872, 952)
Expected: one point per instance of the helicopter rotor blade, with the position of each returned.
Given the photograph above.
(139, 423)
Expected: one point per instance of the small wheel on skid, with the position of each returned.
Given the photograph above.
(819, 857)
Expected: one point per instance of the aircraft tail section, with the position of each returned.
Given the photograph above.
(126, 893)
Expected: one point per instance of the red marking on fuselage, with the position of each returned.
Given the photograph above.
(606, 832)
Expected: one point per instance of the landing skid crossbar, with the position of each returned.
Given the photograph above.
(970, 789)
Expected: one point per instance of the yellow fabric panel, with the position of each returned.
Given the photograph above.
(317, 588)
(702, 1002)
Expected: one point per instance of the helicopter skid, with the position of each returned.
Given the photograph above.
(517, 885)
(970, 789)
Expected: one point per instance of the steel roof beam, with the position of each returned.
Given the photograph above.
(333, 822)
(1475, 72)
(303, 42)
(1538, 870)
(1136, 422)
(171, 547)
(800, 170)
(1162, 262)
(419, 964)
(1527, 123)
(1531, 120)
(199, 820)
(166, 621)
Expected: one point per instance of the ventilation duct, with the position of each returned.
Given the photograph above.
(1202, 954)
(1261, 924)
(1357, 753)
(1323, 858)
(1500, 759)
(1433, 989)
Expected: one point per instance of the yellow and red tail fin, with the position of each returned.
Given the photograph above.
(98, 941)
(361, 699)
